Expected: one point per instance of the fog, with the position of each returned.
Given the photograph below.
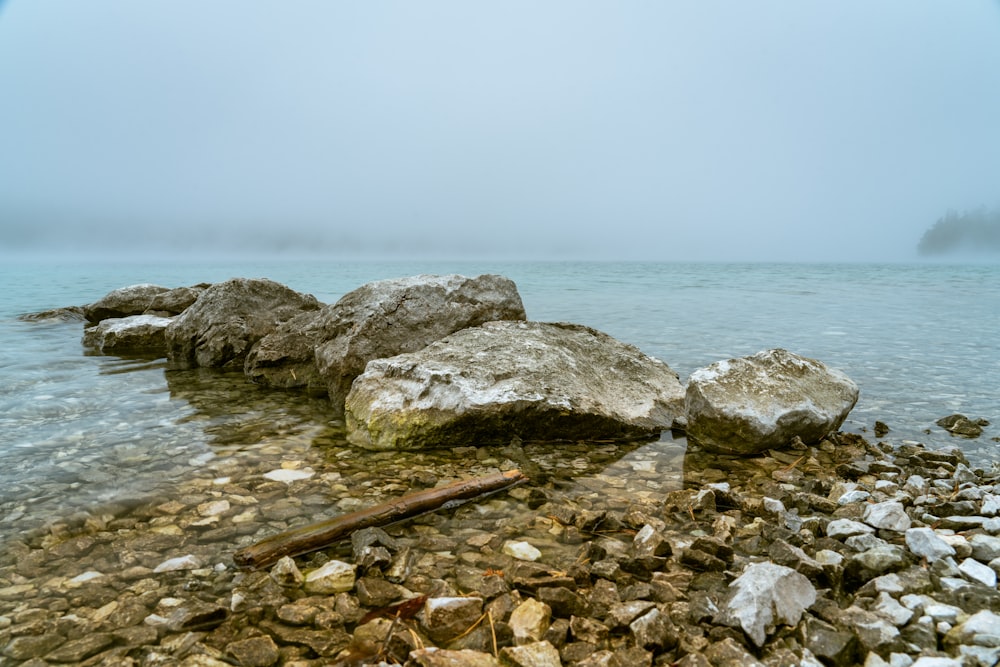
(708, 131)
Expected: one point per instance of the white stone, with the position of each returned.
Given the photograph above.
(982, 628)
(976, 571)
(521, 550)
(289, 476)
(854, 496)
(773, 505)
(925, 543)
(991, 505)
(961, 545)
(891, 609)
(942, 612)
(334, 577)
(916, 485)
(89, 575)
(931, 661)
(840, 529)
(889, 515)
(764, 596)
(188, 562)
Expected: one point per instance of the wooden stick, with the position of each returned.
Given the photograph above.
(316, 536)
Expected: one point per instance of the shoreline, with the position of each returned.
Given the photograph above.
(620, 538)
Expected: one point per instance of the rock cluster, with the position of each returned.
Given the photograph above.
(842, 553)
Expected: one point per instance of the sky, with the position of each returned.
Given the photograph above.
(778, 130)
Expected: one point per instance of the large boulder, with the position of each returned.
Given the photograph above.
(136, 334)
(229, 317)
(175, 301)
(533, 380)
(123, 302)
(747, 405)
(325, 351)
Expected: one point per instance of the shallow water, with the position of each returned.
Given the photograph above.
(81, 435)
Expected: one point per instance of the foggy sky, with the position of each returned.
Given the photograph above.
(701, 130)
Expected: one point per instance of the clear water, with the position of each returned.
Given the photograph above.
(81, 432)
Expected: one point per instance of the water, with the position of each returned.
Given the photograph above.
(82, 434)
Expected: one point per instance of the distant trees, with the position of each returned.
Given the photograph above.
(973, 231)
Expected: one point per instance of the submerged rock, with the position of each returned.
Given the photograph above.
(747, 405)
(324, 351)
(533, 380)
(133, 334)
(962, 426)
(229, 317)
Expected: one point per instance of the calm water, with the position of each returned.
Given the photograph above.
(79, 432)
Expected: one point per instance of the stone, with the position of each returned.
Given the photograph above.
(174, 301)
(123, 302)
(445, 618)
(136, 334)
(521, 550)
(728, 653)
(888, 607)
(324, 351)
(286, 573)
(975, 571)
(748, 405)
(436, 657)
(984, 547)
(228, 318)
(840, 529)
(32, 646)
(333, 577)
(254, 652)
(832, 646)
(533, 380)
(888, 515)
(925, 543)
(654, 631)
(763, 597)
(982, 628)
(879, 560)
(961, 425)
(188, 562)
(536, 654)
(529, 621)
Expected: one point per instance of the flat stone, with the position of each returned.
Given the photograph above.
(925, 543)
(437, 657)
(188, 562)
(764, 596)
(521, 550)
(985, 547)
(975, 571)
(840, 529)
(255, 652)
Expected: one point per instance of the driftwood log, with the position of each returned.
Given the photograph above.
(316, 536)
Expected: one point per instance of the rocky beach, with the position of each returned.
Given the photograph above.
(632, 548)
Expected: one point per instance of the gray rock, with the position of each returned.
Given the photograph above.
(229, 317)
(123, 335)
(175, 301)
(530, 379)
(889, 515)
(123, 302)
(747, 405)
(728, 653)
(840, 529)
(985, 547)
(764, 596)
(880, 560)
(925, 543)
(324, 351)
(888, 607)
(654, 630)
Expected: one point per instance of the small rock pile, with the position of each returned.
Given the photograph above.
(844, 553)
